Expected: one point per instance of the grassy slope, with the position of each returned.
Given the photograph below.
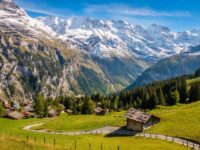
(180, 120)
(193, 81)
(10, 143)
(83, 122)
(64, 141)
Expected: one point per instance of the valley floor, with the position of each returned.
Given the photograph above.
(181, 120)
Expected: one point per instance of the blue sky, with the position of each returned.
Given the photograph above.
(179, 15)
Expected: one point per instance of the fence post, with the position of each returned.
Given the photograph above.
(44, 140)
(27, 138)
(89, 146)
(118, 147)
(54, 142)
(75, 145)
(35, 139)
(101, 146)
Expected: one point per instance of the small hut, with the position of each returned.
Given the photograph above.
(15, 115)
(69, 111)
(100, 111)
(138, 120)
(52, 113)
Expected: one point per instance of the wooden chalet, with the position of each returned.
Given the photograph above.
(15, 115)
(100, 111)
(139, 121)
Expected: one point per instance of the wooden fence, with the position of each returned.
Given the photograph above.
(76, 145)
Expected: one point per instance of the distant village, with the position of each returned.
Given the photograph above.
(15, 110)
(137, 120)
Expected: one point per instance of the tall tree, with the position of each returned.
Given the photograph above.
(40, 106)
(153, 101)
(173, 97)
(2, 111)
(195, 93)
(183, 90)
(197, 73)
(88, 106)
(161, 97)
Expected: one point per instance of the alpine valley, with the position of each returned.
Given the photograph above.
(82, 55)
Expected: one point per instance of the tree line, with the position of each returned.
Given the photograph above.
(166, 92)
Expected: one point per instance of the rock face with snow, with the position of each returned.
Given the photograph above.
(33, 59)
(105, 39)
(78, 55)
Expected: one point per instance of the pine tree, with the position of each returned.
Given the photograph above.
(2, 111)
(195, 93)
(173, 97)
(40, 106)
(161, 97)
(184, 94)
(197, 73)
(88, 106)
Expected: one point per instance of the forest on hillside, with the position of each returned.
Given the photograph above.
(166, 92)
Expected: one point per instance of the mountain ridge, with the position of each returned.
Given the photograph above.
(108, 37)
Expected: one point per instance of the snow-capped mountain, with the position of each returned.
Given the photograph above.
(34, 60)
(13, 17)
(116, 37)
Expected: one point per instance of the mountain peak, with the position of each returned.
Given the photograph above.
(6, 1)
(158, 28)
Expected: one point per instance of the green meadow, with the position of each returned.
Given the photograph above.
(180, 120)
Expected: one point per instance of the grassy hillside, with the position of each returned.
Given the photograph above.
(193, 81)
(180, 120)
(83, 122)
(19, 136)
(11, 143)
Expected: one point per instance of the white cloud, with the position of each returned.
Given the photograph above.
(130, 11)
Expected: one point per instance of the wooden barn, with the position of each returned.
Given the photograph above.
(15, 115)
(139, 121)
(99, 111)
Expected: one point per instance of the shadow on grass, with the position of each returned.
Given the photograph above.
(121, 132)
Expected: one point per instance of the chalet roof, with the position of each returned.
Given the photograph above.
(16, 115)
(52, 112)
(138, 115)
(69, 111)
(99, 110)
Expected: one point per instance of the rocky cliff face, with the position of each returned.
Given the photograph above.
(33, 59)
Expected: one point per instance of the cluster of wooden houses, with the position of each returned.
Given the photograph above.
(26, 110)
(137, 120)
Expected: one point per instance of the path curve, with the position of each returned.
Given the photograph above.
(118, 131)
